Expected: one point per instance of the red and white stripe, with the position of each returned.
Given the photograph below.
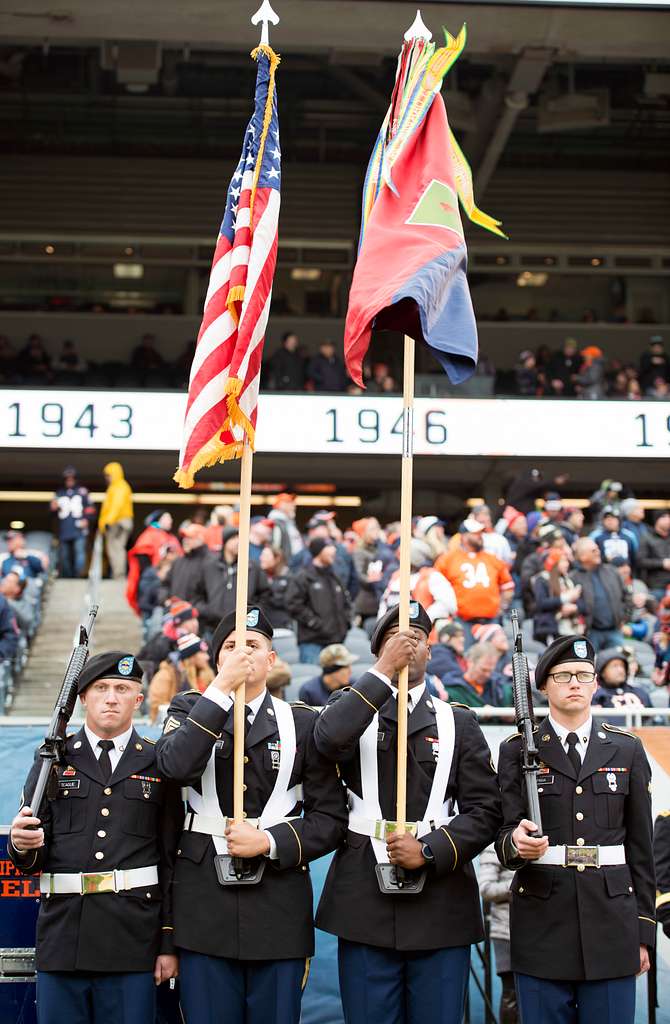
(227, 349)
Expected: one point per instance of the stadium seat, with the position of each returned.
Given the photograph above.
(286, 646)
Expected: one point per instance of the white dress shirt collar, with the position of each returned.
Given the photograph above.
(583, 733)
(120, 744)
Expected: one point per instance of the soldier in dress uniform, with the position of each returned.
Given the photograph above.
(105, 846)
(582, 915)
(244, 949)
(662, 858)
(406, 957)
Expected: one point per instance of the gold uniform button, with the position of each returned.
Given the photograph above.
(66, 793)
(101, 833)
(179, 853)
(244, 789)
(521, 889)
(304, 868)
(104, 811)
(148, 895)
(244, 814)
(246, 759)
(580, 842)
(579, 816)
(630, 888)
(581, 867)
(99, 855)
(578, 790)
(107, 790)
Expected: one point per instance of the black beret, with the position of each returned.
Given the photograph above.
(610, 654)
(111, 665)
(566, 648)
(418, 616)
(257, 622)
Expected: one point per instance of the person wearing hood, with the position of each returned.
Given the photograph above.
(116, 518)
(155, 540)
(614, 690)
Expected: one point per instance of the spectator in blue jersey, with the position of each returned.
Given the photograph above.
(632, 520)
(17, 554)
(9, 631)
(613, 540)
(335, 661)
(74, 508)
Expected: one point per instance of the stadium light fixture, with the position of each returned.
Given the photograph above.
(129, 270)
(528, 279)
(305, 274)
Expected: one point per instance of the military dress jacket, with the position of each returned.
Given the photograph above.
(662, 859)
(274, 919)
(132, 821)
(447, 912)
(570, 924)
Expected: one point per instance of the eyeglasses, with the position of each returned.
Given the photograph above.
(565, 678)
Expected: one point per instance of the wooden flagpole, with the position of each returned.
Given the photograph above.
(416, 30)
(241, 626)
(405, 570)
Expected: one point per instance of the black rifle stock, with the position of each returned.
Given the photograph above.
(525, 721)
(51, 750)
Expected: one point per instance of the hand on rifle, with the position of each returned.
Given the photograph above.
(404, 850)
(24, 832)
(237, 667)
(246, 841)
(528, 847)
(397, 652)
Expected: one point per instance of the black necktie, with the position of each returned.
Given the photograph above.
(572, 739)
(104, 760)
(247, 723)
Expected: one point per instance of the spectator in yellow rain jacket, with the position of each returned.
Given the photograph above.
(116, 517)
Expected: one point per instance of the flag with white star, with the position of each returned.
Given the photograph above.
(222, 402)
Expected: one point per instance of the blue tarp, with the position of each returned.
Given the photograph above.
(321, 1002)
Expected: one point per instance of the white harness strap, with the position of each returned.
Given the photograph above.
(282, 799)
(437, 809)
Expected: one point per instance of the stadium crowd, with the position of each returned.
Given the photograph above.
(570, 372)
(606, 572)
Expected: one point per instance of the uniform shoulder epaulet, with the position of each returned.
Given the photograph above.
(619, 731)
(457, 704)
(514, 736)
(183, 693)
(149, 740)
(301, 704)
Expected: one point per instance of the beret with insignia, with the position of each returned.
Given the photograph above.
(257, 622)
(566, 648)
(418, 617)
(110, 665)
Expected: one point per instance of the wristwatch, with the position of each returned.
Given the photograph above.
(427, 853)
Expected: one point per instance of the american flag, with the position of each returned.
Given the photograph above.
(223, 389)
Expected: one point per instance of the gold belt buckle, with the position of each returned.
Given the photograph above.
(581, 857)
(98, 881)
(390, 827)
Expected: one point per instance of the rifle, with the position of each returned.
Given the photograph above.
(525, 722)
(51, 751)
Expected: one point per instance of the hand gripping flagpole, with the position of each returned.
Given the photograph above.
(235, 870)
(396, 879)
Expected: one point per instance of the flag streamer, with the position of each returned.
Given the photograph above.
(222, 401)
(410, 275)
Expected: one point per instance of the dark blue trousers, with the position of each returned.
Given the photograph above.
(95, 998)
(216, 990)
(544, 1001)
(386, 986)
